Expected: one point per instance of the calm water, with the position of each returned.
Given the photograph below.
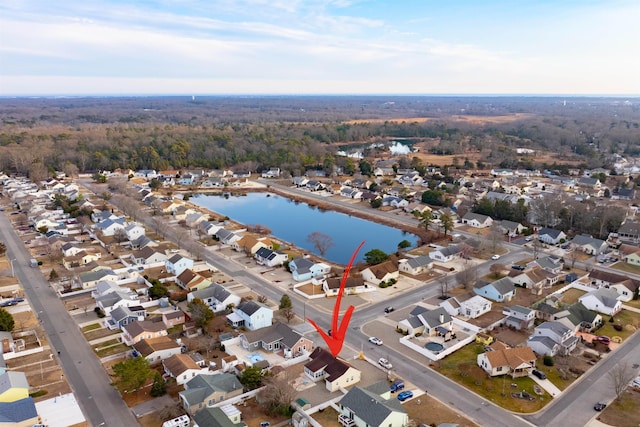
(293, 222)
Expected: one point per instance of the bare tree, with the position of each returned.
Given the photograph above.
(262, 299)
(496, 269)
(277, 393)
(320, 241)
(288, 314)
(120, 235)
(70, 170)
(495, 237)
(621, 375)
(444, 285)
(573, 254)
(467, 276)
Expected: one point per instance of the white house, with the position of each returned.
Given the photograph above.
(477, 220)
(134, 231)
(602, 300)
(517, 362)
(216, 296)
(445, 254)
(177, 264)
(270, 258)
(552, 337)
(519, 317)
(474, 307)
(415, 265)
(251, 315)
(383, 272)
(371, 406)
(551, 236)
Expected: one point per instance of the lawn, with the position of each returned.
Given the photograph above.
(462, 368)
(629, 320)
(571, 295)
(111, 347)
(624, 412)
(628, 268)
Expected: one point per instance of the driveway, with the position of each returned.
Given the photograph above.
(547, 385)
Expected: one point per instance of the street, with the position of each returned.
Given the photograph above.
(100, 402)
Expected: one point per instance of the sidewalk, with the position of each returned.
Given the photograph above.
(547, 385)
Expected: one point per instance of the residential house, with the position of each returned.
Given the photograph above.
(13, 386)
(191, 280)
(579, 318)
(223, 416)
(592, 183)
(474, 307)
(250, 244)
(500, 290)
(89, 279)
(477, 220)
(81, 258)
(435, 322)
(305, 269)
(411, 178)
(630, 254)
(19, 413)
(551, 338)
(516, 362)
(629, 231)
(417, 208)
(535, 279)
(182, 367)
(626, 287)
(451, 306)
(207, 390)
(371, 406)
(209, 228)
(121, 316)
(109, 227)
(155, 350)
(394, 202)
(511, 228)
(627, 290)
(252, 315)
(193, 219)
(335, 372)
(270, 258)
(217, 297)
(134, 231)
(352, 286)
(445, 254)
(551, 236)
(415, 265)
(137, 331)
(147, 256)
(177, 264)
(271, 173)
(70, 249)
(550, 264)
(275, 338)
(519, 317)
(602, 300)
(588, 244)
(300, 181)
(386, 272)
(173, 318)
(227, 237)
(351, 193)
(383, 171)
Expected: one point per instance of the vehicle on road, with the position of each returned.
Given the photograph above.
(404, 395)
(374, 340)
(384, 363)
(539, 374)
(599, 406)
(265, 424)
(495, 257)
(396, 386)
(388, 309)
(528, 239)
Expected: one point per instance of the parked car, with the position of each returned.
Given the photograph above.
(495, 257)
(384, 363)
(599, 406)
(388, 309)
(603, 339)
(517, 267)
(374, 340)
(528, 239)
(396, 386)
(265, 424)
(539, 374)
(404, 395)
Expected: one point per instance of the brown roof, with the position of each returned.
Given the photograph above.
(381, 270)
(536, 275)
(606, 276)
(151, 345)
(352, 282)
(511, 357)
(626, 249)
(321, 359)
(176, 314)
(187, 276)
(178, 363)
(136, 328)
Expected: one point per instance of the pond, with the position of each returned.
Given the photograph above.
(292, 222)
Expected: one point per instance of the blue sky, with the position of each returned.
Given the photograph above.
(73, 47)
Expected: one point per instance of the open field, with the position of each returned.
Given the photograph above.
(478, 120)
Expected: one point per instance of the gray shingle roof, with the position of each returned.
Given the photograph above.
(370, 407)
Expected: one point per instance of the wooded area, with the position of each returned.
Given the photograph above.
(300, 133)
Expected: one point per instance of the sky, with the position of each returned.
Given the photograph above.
(295, 47)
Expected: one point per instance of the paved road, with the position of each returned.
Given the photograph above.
(99, 401)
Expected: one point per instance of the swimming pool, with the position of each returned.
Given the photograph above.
(434, 346)
(255, 358)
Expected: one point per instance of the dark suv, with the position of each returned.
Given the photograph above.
(388, 309)
(539, 374)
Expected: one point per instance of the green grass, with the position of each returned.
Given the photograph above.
(625, 317)
(462, 368)
(91, 327)
(633, 303)
(114, 349)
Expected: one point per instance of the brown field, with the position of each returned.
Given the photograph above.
(479, 120)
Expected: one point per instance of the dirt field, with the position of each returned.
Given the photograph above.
(427, 410)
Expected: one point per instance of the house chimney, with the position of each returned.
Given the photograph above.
(6, 346)
(441, 318)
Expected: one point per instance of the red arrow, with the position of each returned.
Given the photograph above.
(338, 333)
